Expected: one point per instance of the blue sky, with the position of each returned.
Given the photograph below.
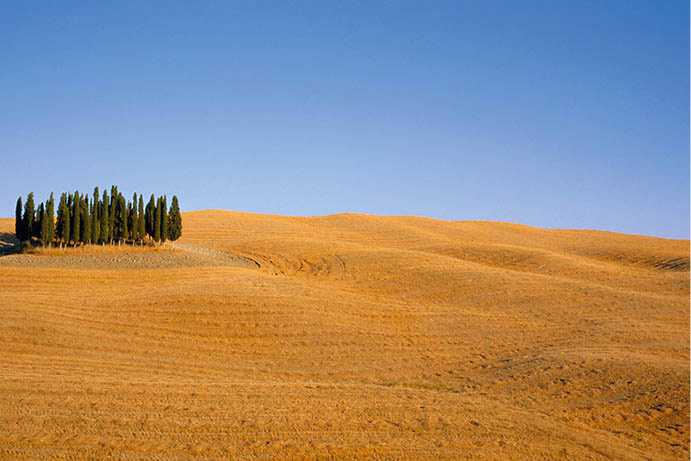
(551, 114)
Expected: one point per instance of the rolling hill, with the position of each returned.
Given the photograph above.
(350, 336)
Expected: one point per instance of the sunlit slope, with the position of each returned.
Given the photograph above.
(396, 337)
(317, 246)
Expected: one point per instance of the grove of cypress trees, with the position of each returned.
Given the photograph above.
(84, 219)
(18, 222)
(104, 219)
(75, 225)
(50, 212)
(141, 225)
(157, 221)
(28, 218)
(174, 220)
(164, 219)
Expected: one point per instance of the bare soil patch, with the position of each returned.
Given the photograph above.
(125, 258)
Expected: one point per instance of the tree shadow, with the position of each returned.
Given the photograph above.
(8, 243)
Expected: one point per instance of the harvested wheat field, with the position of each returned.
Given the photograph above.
(349, 336)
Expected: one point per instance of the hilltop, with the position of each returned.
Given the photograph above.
(350, 336)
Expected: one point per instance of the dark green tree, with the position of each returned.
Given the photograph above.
(111, 213)
(63, 224)
(28, 218)
(174, 220)
(134, 219)
(85, 220)
(164, 219)
(141, 225)
(120, 221)
(50, 211)
(44, 233)
(75, 225)
(124, 218)
(18, 221)
(104, 219)
(149, 215)
(157, 221)
(95, 212)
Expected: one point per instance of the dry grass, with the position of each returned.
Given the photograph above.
(359, 336)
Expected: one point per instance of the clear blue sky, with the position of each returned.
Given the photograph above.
(568, 114)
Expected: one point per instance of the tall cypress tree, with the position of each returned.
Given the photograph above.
(157, 221)
(150, 218)
(141, 231)
(111, 213)
(40, 211)
(18, 223)
(120, 222)
(134, 219)
(44, 236)
(85, 220)
(104, 219)
(50, 211)
(63, 225)
(174, 220)
(115, 218)
(75, 226)
(95, 211)
(124, 217)
(164, 219)
(28, 218)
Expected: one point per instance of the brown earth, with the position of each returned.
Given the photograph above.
(349, 336)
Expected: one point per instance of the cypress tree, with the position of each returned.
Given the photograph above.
(36, 225)
(134, 219)
(76, 214)
(28, 218)
(50, 211)
(85, 220)
(18, 222)
(164, 219)
(150, 218)
(104, 219)
(40, 211)
(157, 221)
(124, 218)
(115, 218)
(141, 230)
(44, 236)
(63, 226)
(174, 220)
(111, 213)
(95, 211)
(120, 219)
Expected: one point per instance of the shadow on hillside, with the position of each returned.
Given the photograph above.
(8, 243)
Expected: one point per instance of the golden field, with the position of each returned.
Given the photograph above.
(356, 337)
